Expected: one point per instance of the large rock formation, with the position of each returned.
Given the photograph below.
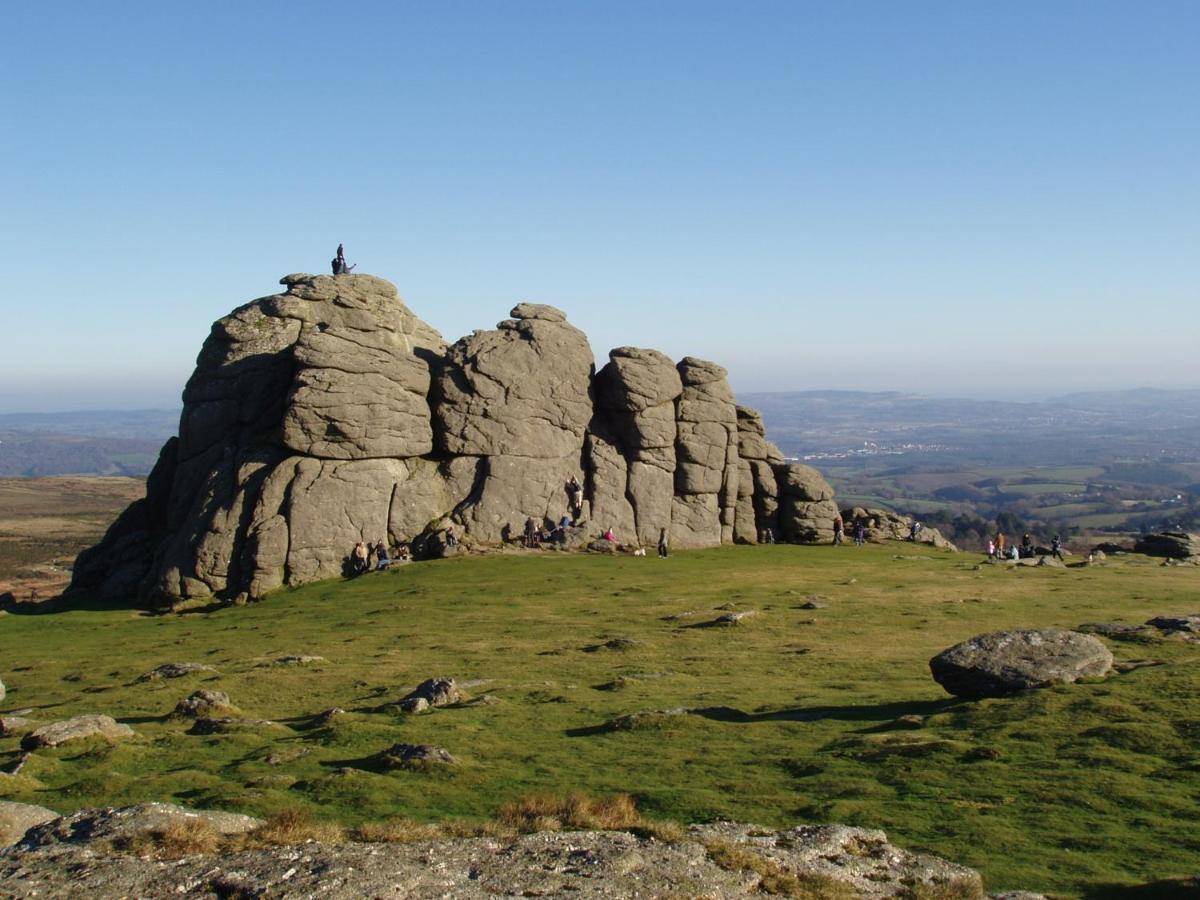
(329, 414)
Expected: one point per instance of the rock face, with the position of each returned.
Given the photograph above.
(329, 414)
(1002, 662)
(73, 856)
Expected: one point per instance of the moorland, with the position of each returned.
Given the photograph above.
(819, 707)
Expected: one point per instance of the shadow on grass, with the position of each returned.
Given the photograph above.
(1166, 889)
(883, 713)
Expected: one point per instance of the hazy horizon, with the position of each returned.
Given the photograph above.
(177, 405)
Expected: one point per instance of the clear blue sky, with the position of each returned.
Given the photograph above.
(957, 197)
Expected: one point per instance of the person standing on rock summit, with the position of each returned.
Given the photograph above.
(339, 263)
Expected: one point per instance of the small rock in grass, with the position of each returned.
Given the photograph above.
(330, 714)
(414, 705)
(415, 756)
(734, 618)
(204, 704)
(75, 729)
(812, 604)
(910, 721)
(175, 670)
(435, 692)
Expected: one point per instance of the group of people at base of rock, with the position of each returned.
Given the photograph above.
(860, 531)
(536, 534)
(361, 556)
(999, 548)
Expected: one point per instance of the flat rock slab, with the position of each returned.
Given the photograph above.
(857, 861)
(17, 818)
(992, 665)
(175, 670)
(75, 729)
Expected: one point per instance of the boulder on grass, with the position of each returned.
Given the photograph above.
(204, 704)
(75, 729)
(992, 665)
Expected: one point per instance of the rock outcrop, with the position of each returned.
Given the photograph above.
(107, 853)
(1171, 544)
(329, 414)
(991, 665)
(885, 525)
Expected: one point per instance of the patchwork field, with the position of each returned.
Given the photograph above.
(45, 522)
(794, 715)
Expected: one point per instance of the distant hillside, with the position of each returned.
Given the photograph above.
(1110, 461)
(112, 442)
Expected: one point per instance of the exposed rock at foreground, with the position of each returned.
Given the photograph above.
(720, 860)
(1002, 662)
(329, 414)
(18, 818)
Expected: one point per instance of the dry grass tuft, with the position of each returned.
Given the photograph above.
(179, 838)
(397, 831)
(667, 832)
(293, 826)
(955, 889)
(570, 811)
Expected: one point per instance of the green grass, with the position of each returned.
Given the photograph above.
(1064, 790)
(1100, 520)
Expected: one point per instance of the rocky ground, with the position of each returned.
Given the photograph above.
(122, 853)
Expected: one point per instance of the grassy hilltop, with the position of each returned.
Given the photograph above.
(795, 711)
